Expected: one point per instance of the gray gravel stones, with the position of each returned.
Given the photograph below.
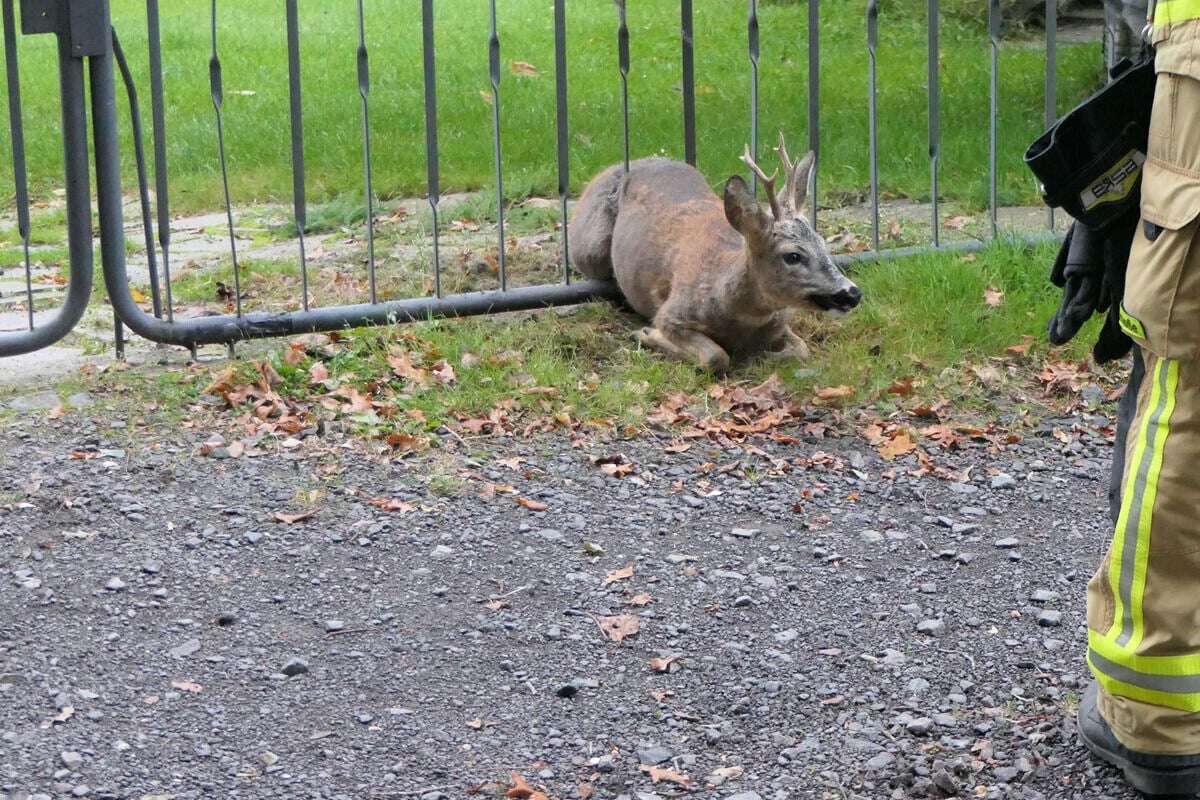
(654, 754)
(931, 627)
(1008, 543)
(187, 648)
(334, 625)
(294, 667)
(1049, 618)
(1003, 481)
(796, 660)
(115, 585)
(71, 760)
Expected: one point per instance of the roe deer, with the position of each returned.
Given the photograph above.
(713, 280)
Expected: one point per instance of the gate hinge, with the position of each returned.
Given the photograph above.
(86, 22)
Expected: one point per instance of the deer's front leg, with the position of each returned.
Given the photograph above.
(683, 344)
(788, 344)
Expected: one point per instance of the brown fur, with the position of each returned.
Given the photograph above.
(708, 275)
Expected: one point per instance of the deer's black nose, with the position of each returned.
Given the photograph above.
(848, 298)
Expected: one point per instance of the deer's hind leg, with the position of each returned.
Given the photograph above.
(591, 232)
(686, 345)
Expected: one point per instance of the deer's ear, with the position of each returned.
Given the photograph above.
(743, 211)
(798, 185)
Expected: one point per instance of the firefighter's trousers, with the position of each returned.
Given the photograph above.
(1144, 601)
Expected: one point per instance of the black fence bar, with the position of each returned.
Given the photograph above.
(162, 202)
(994, 21)
(139, 152)
(296, 125)
(688, 40)
(497, 151)
(17, 128)
(218, 99)
(1051, 78)
(814, 98)
(935, 145)
(562, 134)
(753, 51)
(363, 63)
(431, 136)
(79, 215)
(873, 116)
(623, 66)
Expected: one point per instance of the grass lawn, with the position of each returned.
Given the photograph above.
(256, 96)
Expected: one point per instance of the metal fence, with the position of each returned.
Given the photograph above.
(86, 40)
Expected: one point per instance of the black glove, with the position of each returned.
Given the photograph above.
(1090, 269)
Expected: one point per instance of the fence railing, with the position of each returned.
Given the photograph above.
(86, 39)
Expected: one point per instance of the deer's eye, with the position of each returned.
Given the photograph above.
(793, 258)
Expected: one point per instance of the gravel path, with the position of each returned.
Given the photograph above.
(845, 630)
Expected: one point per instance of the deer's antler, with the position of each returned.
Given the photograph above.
(790, 169)
(767, 182)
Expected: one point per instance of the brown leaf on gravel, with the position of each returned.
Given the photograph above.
(406, 442)
(532, 505)
(617, 466)
(444, 373)
(902, 387)
(677, 447)
(618, 627)
(663, 664)
(899, 445)
(623, 574)
(521, 790)
(663, 774)
(187, 686)
(236, 449)
(58, 412)
(957, 223)
(643, 599)
(62, 716)
(475, 724)
(586, 791)
(292, 519)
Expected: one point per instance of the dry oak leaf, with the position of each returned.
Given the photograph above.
(835, 393)
(532, 505)
(521, 790)
(993, 297)
(663, 774)
(619, 627)
(291, 519)
(898, 445)
(523, 68)
(65, 714)
(663, 664)
(643, 599)
(187, 686)
(623, 574)
(318, 373)
(902, 387)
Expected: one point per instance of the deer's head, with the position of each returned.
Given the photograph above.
(788, 261)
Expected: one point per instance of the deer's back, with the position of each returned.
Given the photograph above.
(670, 232)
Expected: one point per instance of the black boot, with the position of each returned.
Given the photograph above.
(1158, 775)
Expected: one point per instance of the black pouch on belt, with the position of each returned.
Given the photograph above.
(1090, 162)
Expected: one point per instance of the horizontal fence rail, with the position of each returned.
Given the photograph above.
(85, 39)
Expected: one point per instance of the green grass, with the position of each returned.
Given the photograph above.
(254, 59)
(924, 318)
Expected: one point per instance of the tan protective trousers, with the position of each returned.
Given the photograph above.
(1144, 602)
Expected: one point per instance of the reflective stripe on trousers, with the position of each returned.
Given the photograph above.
(1172, 681)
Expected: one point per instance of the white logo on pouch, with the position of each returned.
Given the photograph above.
(1116, 184)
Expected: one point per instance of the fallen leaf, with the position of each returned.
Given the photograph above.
(677, 447)
(623, 574)
(835, 393)
(993, 297)
(318, 373)
(728, 773)
(475, 724)
(444, 373)
(619, 627)
(64, 714)
(586, 791)
(902, 387)
(642, 599)
(523, 68)
(292, 519)
(187, 686)
(663, 664)
(495, 605)
(957, 223)
(663, 774)
(899, 445)
(58, 412)
(532, 505)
